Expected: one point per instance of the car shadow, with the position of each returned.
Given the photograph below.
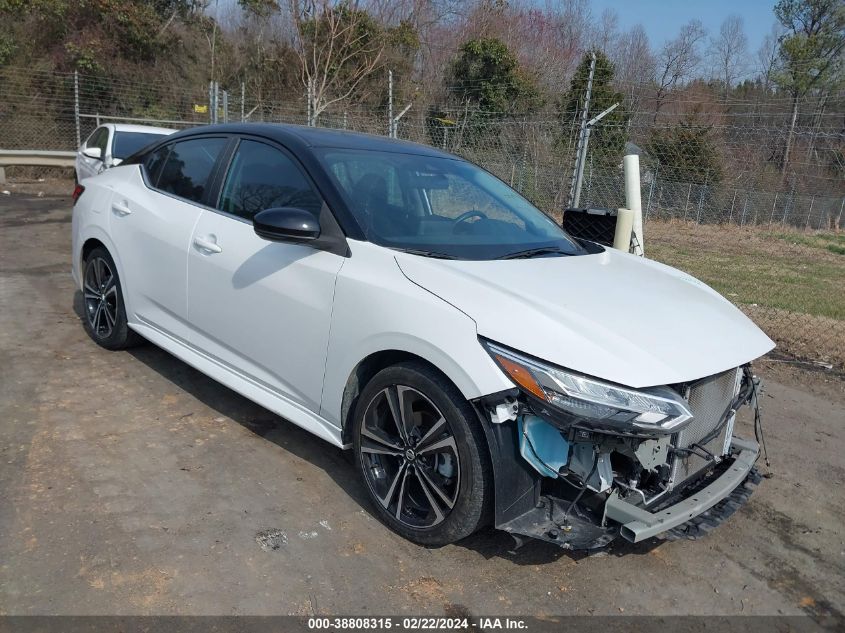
(492, 543)
(266, 262)
(338, 464)
(255, 418)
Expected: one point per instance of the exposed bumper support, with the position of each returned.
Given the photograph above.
(639, 524)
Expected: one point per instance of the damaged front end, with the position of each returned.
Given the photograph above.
(579, 461)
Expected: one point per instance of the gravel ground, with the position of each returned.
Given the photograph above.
(132, 484)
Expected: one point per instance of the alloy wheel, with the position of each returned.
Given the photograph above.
(100, 293)
(410, 457)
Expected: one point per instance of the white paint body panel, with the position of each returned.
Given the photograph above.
(611, 315)
(262, 308)
(153, 242)
(377, 308)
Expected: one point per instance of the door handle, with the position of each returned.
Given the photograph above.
(207, 245)
(120, 209)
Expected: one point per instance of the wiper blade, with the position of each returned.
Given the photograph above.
(535, 252)
(425, 253)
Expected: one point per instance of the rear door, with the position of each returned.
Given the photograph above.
(263, 308)
(152, 216)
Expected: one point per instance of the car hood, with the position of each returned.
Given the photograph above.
(611, 315)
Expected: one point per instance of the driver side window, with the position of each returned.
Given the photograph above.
(263, 177)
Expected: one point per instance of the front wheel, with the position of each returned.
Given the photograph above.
(422, 454)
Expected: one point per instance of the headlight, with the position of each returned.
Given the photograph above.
(657, 409)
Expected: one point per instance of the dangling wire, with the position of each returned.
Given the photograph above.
(758, 422)
(580, 492)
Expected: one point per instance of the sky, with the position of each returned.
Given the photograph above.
(663, 18)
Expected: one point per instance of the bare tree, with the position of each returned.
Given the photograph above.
(606, 33)
(767, 56)
(634, 63)
(574, 22)
(338, 45)
(728, 51)
(677, 61)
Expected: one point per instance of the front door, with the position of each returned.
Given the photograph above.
(262, 308)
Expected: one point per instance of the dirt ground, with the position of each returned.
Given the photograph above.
(132, 484)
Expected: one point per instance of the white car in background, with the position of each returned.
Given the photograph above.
(111, 143)
(484, 366)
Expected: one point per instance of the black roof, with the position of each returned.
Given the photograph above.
(313, 137)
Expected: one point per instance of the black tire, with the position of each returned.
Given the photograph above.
(465, 478)
(104, 315)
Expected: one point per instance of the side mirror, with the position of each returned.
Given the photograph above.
(286, 224)
(93, 152)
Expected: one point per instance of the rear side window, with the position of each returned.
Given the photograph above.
(263, 177)
(186, 170)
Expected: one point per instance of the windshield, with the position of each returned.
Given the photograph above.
(441, 207)
(127, 143)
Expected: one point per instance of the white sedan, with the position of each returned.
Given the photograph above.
(111, 143)
(484, 366)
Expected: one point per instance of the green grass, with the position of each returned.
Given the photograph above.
(802, 273)
(831, 242)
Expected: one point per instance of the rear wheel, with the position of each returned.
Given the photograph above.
(104, 316)
(422, 454)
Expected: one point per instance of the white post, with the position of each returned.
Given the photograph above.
(624, 228)
(633, 201)
(243, 96)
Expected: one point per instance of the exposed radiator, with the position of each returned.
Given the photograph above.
(709, 399)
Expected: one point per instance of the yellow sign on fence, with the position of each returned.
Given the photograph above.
(200, 109)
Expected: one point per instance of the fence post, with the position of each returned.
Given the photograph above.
(308, 99)
(578, 173)
(701, 201)
(686, 204)
(810, 210)
(76, 106)
(225, 106)
(651, 190)
(789, 202)
(774, 204)
(243, 98)
(390, 103)
(744, 207)
(731, 214)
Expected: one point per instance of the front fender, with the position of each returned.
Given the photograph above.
(376, 308)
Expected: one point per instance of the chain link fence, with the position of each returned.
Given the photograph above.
(716, 199)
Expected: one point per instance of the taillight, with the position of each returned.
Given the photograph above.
(77, 191)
